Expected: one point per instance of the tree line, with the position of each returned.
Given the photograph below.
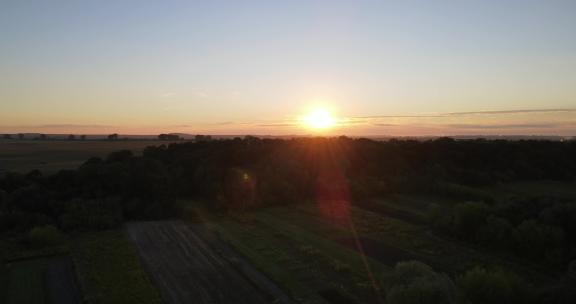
(250, 172)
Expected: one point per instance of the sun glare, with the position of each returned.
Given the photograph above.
(319, 119)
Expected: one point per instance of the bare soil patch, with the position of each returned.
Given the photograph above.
(192, 265)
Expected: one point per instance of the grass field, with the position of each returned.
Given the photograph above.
(3, 282)
(310, 266)
(41, 280)
(110, 270)
(51, 156)
(309, 254)
(26, 282)
(22, 270)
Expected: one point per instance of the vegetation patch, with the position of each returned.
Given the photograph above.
(110, 270)
(26, 282)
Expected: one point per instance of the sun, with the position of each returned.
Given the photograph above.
(319, 119)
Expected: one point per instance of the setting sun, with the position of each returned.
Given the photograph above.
(318, 119)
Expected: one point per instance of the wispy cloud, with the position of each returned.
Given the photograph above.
(68, 126)
(278, 125)
(231, 123)
(507, 126)
(385, 125)
(499, 112)
(513, 112)
(168, 94)
(401, 116)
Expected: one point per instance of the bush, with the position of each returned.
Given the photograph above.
(480, 286)
(45, 236)
(469, 216)
(95, 214)
(496, 233)
(538, 241)
(439, 218)
(416, 282)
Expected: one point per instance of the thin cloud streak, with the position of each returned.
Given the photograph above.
(505, 126)
(278, 125)
(67, 126)
(513, 112)
(439, 115)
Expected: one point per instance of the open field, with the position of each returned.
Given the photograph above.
(51, 156)
(562, 190)
(190, 268)
(308, 253)
(312, 267)
(110, 270)
(42, 280)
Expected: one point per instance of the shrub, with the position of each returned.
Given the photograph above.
(469, 216)
(439, 218)
(416, 282)
(480, 285)
(537, 241)
(496, 233)
(45, 236)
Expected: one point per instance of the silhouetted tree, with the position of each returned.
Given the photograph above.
(113, 136)
(201, 138)
(172, 137)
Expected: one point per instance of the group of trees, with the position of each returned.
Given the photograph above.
(99, 194)
(44, 137)
(416, 282)
(542, 229)
(169, 137)
(250, 172)
(74, 137)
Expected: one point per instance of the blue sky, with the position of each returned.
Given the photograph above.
(255, 66)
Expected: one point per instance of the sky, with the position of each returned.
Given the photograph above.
(428, 67)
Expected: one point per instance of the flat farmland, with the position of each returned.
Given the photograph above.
(110, 271)
(42, 280)
(321, 259)
(51, 156)
(189, 264)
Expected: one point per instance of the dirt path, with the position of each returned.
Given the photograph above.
(191, 265)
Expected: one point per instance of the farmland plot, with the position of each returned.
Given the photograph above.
(42, 280)
(189, 268)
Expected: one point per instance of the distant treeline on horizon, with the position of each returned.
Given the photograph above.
(201, 137)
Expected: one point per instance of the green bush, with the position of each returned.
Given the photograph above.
(483, 286)
(45, 236)
(469, 216)
(414, 282)
(496, 233)
(539, 241)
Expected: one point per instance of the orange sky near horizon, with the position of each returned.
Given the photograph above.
(561, 122)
